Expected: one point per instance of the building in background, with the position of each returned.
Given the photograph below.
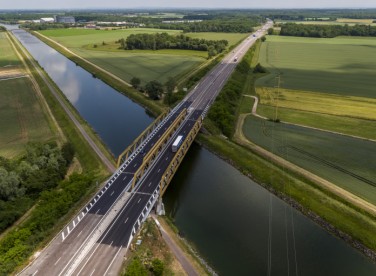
(64, 19)
(47, 20)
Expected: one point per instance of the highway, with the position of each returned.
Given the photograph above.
(96, 240)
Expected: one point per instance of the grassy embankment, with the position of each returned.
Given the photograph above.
(22, 116)
(311, 198)
(154, 247)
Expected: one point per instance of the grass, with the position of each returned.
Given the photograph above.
(339, 21)
(21, 118)
(147, 66)
(344, 161)
(341, 124)
(76, 38)
(342, 65)
(332, 104)
(7, 55)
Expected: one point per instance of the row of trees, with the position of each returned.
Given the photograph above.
(155, 89)
(22, 181)
(165, 41)
(306, 30)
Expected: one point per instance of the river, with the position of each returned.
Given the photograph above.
(236, 225)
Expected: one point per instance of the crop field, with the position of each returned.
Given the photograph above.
(146, 66)
(345, 161)
(341, 124)
(333, 104)
(7, 56)
(21, 117)
(73, 38)
(343, 65)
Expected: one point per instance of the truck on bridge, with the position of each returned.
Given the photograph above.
(177, 143)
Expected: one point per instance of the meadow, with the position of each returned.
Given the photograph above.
(21, 118)
(7, 55)
(342, 65)
(145, 64)
(345, 161)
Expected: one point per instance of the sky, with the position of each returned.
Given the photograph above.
(128, 4)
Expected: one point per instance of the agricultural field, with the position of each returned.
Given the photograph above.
(146, 65)
(7, 56)
(345, 161)
(21, 118)
(339, 21)
(343, 65)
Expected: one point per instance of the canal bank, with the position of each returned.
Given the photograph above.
(225, 242)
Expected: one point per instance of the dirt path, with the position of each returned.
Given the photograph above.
(176, 250)
(357, 201)
(85, 60)
(70, 114)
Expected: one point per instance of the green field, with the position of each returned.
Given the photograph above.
(344, 161)
(344, 66)
(21, 117)
(146, 65)
(7, 55)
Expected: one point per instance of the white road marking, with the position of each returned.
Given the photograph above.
(92, 272)
(126, 220)
(124, 177)
(139, 200)
(97, 211)
(158, 170)
(149, 184)
(112, 193)
(35, 273)
(135, 165)
(79, 234)
(62, 234)
(57, 261)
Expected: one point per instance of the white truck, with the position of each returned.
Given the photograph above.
(177, 143)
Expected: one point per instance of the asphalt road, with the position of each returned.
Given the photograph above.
(97, 239)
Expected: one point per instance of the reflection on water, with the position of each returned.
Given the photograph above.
(242, 229)
(116, 119)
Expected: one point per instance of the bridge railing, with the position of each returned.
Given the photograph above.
(179, 156)
(153, 153)
(138, 141)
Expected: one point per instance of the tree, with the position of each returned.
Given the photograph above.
(270, 31)
(263, 38)
(157, 267)
(211, 51)
(259, 69)
(135, 82)
(154, 89)
(135, 268)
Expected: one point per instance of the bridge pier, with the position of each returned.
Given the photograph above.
(159, 208)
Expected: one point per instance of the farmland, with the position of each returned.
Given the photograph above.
(345, 161)
(343, 66)
(21, 117)
(145, 64)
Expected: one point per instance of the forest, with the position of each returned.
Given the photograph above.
(327, 31)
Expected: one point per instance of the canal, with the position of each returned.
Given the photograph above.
(236, 225)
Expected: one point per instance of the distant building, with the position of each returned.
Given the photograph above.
(47, 20)
(64, 19)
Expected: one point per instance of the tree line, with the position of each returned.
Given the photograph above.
(165, 41)
(23, 180)
(327, 31)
